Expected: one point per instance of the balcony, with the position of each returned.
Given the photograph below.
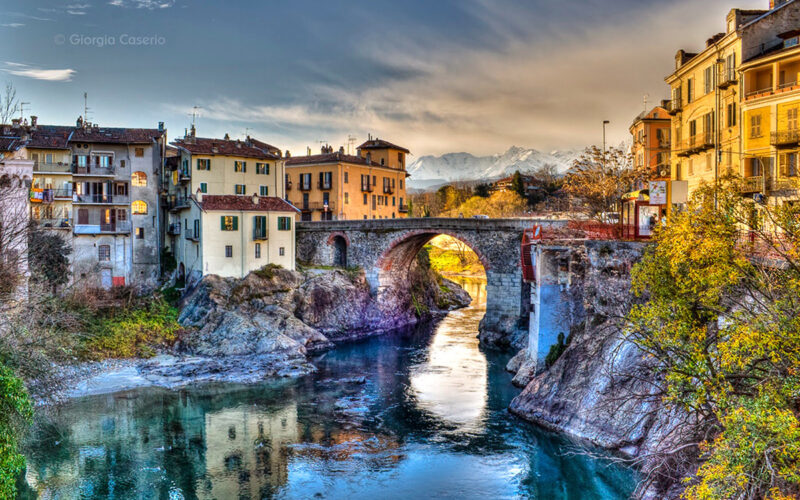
(403, 209)
(367, 188)
(53, 223)
(324, 185)
(118, 227)
(695, 144)
(388, 190)
(674, 106)
(260, 234)
(62, 194)
(319, 205)
(754, 184)
(192, 236)
(753, 94)
(727, 77)
(786, 138)
(184, 176)
(786, 184)
(101, 199)
(93, 170)
(174, 229)
(52, 167)
(175, 203)
(305, 186)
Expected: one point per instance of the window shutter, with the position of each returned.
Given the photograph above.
(783, 164)
(222, 222)
(235, 223)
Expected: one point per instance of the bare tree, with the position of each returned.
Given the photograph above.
(9, 104)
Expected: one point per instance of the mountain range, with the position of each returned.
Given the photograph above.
(430, 171)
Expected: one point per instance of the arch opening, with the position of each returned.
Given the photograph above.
(340, 252)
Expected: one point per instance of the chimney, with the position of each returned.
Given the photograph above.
(227, 137)
(193, 131)
(79, 122)
(160, 126)
(15, 123)
(288, 154)
(33, 121)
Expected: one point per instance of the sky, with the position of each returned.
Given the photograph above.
(435, 76)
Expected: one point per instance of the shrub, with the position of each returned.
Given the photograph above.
(556, 350)
(268, 271)
(16, 412)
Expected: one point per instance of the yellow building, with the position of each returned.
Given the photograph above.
(771, 138)
(707, 94)
(239, 183)
(336, 186)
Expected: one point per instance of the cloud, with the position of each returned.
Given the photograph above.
(12, 25)
(26, 71)
(143, 4)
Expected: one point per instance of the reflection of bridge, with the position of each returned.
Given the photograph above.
(385, 249)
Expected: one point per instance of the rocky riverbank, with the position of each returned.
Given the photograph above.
(267, 325)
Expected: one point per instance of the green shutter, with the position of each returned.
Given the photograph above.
(235, 223)
(222, 222)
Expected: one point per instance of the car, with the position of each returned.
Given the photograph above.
(480, 216)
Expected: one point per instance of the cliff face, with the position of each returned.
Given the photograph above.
(601, 388)
(278, 311)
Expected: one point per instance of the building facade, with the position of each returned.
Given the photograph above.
(98, 187)
(337, 186)
(228, 175)
(707, 93)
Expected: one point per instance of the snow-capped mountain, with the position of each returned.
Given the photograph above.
(430, 170)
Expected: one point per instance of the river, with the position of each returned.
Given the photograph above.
(417, 414)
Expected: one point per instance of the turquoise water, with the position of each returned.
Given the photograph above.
(418, 414)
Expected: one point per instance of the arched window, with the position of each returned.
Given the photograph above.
(139, 207)
(139, 179)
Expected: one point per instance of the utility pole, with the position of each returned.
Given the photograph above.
(605, 122)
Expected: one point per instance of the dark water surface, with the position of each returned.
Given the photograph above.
(420, 414)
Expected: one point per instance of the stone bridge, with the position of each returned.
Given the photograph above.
(385, 249)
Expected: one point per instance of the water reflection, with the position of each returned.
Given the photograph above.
(419, 414)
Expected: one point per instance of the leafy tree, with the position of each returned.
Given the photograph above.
(517, 184)
(48, 259)
(16, 412)
(483, 190)
(499, 204)
(723, 331)
(599, 180)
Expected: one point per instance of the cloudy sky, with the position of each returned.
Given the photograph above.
(434, 75)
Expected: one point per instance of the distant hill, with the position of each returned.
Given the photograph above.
(429, 171)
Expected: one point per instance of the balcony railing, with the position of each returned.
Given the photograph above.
(757, 93)
(93, 170)
(184, 176)
(753, 184)
(318, 205)
(54, 167)
(787, 85)
(388, 190)
(366, 187)
(785, 184)
(174, 229)
(101, 199)
(403, 209)
(305, 186)
(288, 185)
(695, 144)
(785, 138)
(324, 185)
(177, 202)
(53, 222)
(62, 193)
(122, 226)
(260, 234)
(674, 106)
(191, 235)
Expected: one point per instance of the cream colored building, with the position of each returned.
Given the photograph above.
(230, 236)
(219, 179)
(337, 186)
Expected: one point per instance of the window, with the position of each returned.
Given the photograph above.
(347, 198)
(755, 126)
(709, 161)
(139, 179)
(382, 162)
(281, 251)
(138, 152)
(326, 198)
(401, 183)
(229, 223)
(139, 233)
(81, 160)
(325, 180)
(196, 229)
(691, 167)
(239, 189)
(305, 181)
(365, 199)
(788, 164)
(731, 114)
(229, 251)
(240, 166)
(400, 158)
(203, 164)
(139, 207)
(104, 253)
(305, 201)
(693, 128)
(258, 250)
(262, 168)
(284, 223)
(708, 79)
(259, 226)
(690, 90)
(791, 119)
(263, 190)
(203, 187)
(346, 178)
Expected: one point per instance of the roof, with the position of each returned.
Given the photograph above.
(330, 158)
(10, 144)
(245, 203)
(60, 136)
(50, 137)
(381, 144)
(222, 147)
(115, 135)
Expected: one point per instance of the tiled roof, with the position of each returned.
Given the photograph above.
(60, 136)
(329, 158)
(381, 144)
(206, 146)
(245, 203)
(50, 137)
(9, 144)
(114, 135)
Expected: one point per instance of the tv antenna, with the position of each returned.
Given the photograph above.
(22, 110)
(351, 139)
(645, 102)
(195, 114)
(85, 107)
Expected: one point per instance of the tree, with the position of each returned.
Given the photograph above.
(483, 190)
(48, 259)
(9, 104)
(517, 184)
(723, 332)
(599, 180)
(499, 204)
